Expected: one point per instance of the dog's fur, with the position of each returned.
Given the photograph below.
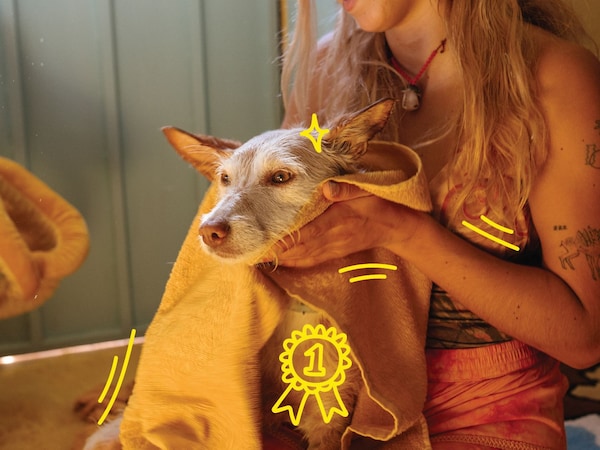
(262, 186)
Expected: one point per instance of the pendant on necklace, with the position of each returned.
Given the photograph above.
(411, 97)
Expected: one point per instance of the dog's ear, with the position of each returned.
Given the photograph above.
(351, 134)
(202, 152)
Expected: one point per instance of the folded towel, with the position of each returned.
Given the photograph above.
(42, 239)
(198, 381)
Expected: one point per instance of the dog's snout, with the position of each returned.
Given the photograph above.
(213, 234)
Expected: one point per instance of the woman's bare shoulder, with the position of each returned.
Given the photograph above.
(564, 66)
(564, 200)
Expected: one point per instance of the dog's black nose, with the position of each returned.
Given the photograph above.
(213, 234)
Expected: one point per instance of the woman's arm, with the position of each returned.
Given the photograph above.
(555, 308)
(529, 303)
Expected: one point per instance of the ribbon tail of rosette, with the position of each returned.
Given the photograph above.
(279, 406)
(331, 397)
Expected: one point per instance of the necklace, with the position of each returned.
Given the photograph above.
(411, 96)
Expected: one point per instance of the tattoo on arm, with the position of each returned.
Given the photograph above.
(592, 156)
(592, 150)
(560, 227)
(586, 242)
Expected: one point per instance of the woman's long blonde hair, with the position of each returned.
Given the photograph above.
(502, 136)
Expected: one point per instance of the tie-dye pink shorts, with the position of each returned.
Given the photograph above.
(503, 396)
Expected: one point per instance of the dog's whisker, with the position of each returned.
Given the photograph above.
(268, 259)
(295, 237)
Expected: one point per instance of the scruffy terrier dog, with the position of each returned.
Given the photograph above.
(262, 186)
(265, 182)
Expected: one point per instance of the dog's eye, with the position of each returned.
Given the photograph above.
(281, 177)
(225, 179)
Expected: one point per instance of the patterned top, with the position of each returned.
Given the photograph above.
(451, 325)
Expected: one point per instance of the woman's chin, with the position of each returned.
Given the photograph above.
(348, 5)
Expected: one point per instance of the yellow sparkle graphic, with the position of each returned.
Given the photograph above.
(487, 235)
(315, 129)
(315, 379)
(119, 381)
(375, 276)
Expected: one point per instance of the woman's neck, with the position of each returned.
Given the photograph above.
(412, 42)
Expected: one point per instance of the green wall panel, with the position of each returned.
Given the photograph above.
(85, 86)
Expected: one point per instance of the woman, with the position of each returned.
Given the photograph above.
(502, 103)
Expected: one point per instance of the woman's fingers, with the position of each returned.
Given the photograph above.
(338, 192)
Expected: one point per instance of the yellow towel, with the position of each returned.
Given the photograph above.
(197, 384)
(42, 239)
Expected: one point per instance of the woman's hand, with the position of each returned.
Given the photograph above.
(357, 220)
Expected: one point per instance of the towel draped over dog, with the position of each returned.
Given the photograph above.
(198, 381)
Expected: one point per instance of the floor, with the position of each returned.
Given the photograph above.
(39, 391)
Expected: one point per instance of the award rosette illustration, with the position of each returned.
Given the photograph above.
(304, 371)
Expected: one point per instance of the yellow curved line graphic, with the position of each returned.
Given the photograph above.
(111, 375)
(367, 266)
(489, 236)
(120, 380)
(375, 276)
(495, 225)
